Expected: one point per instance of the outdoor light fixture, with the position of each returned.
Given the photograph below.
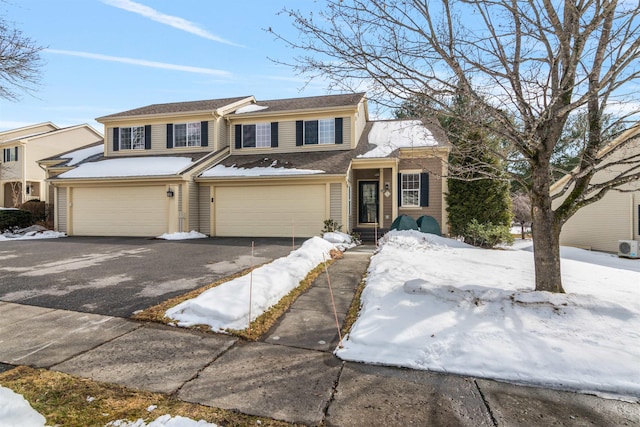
(169, 192)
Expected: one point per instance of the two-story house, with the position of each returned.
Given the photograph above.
(21, 179)
(241, 167)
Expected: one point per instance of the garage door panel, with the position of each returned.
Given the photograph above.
(120, 211)
(270, 211)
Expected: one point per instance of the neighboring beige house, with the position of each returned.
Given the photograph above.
(241, 167)
(600, 225)
(21, 178)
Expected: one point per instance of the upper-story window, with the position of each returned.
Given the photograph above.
(194, 134)
(187, 135)
(10, 154)
(258, 135)
(132, 138)
(319, 132)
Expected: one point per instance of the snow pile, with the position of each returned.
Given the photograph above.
(388, 136)
(227, 306)
(30, 233)
(272, 170)
(436, 304)
(163, 421)
(342, 240)
(16, 411)
(83, 154)
(130, 166)
(183, 236)
(251, 108)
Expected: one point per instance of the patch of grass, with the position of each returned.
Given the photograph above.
(69, 401)
(259, 327)
(354, 309)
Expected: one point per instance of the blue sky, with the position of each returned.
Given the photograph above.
(106, 56)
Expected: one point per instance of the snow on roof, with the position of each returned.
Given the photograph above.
(251, 108)
(82, 154)
(131, 166)
(388, 136)
(272, 170)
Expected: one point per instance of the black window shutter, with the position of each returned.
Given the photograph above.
(399, 189)
(204, 134)
(16, 156)
(299, 132)
(238, 137)
(116, 139)
(169, 135)
(338, 130)
(424, 189)
(147, 137)
(274, 134)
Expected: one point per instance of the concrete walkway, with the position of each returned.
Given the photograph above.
(292, 375)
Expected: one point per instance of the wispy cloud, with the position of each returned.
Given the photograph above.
(172, 21)
(141, 62)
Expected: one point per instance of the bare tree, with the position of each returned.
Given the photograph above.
(20, 62)
(521, 209)
(527, 66)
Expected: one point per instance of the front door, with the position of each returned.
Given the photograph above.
(368, 202)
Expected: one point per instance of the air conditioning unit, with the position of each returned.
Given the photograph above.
(628, 248)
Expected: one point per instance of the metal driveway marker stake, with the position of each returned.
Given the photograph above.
(250, 288)
(333, 303)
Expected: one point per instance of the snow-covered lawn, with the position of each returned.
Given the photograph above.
(437, 304)
(227, 306)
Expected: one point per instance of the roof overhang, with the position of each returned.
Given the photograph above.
(73, 182)
(269, 180)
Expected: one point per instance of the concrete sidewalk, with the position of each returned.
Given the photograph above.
(293, 378)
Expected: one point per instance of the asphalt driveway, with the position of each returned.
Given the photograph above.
(118, 276)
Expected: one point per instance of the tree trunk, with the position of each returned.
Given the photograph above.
(546, 235)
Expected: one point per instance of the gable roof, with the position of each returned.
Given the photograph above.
(26, 131)
(176, 107)
(306, 103)
(47, 133)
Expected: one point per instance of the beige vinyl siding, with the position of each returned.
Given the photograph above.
(360, 123)
(222, 139)
(204, 209)
(600, 225)
(194, 219)
(270, 211)
(287, 138)
(61, 210)
(120, 211)
(53, 144)
(159, 136)
(25, 132)
(13, 171)
(335, 202)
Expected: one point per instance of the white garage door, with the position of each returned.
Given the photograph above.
(120, 211)
(273, 211)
